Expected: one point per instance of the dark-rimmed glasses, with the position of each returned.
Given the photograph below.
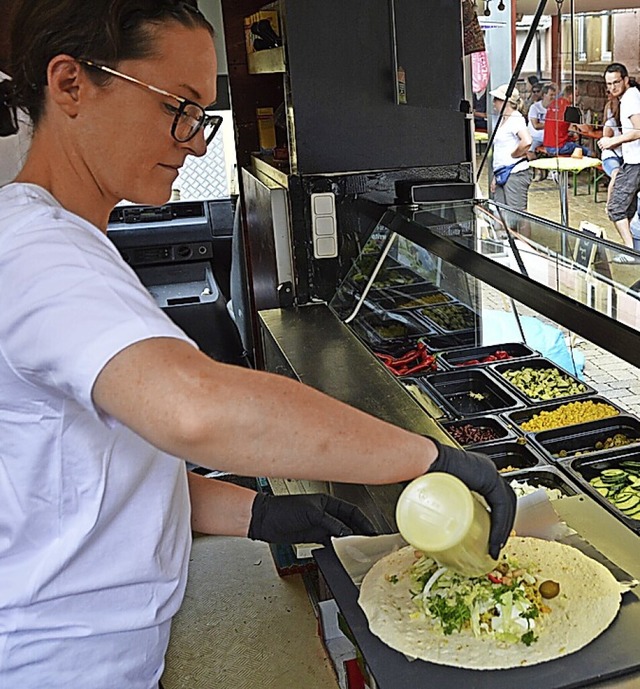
(189, 116)
(613, 83)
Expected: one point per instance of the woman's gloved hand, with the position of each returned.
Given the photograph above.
(480, 474)
(309, 518)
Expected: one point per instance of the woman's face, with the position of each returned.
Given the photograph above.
(124, 130)
(497, 105)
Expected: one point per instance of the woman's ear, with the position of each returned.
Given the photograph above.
(64, 79)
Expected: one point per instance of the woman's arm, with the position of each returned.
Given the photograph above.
(249, 422)
(525, 143)
(218, 507)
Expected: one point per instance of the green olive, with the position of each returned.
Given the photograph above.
(549, 589)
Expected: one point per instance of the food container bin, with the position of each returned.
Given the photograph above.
(513, 455)
(441, 343)
(453, 317)
(389, 277)
(546, 477)
(612, 473)
(394, 329)
(593, 438)
(418, 299)
(542, 365)
(458, 358)
(401, 354)
(469, 392)
(425, 398)
(490, 425)
(577, 408)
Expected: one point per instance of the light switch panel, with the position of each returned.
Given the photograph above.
(324, 225)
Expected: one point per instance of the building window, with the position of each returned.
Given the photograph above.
(581, 38)
(606, 36)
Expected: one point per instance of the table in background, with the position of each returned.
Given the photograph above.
(481, 139)
(563, 165)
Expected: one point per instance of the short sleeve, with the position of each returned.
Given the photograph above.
(69, 304)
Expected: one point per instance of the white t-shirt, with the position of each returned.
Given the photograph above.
(537, 111)
(629, 106)
(507, 140)
(94, 521)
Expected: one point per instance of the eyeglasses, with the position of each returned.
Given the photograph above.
(615, 82)
(189, 117)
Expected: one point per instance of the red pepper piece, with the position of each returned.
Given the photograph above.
(489, 358)
(494, 579)
(386, 358)
(471, 362)
(501, 354)
(406, 358)
(428, 363)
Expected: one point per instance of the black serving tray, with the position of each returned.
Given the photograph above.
(583, 437)
(400, 300)
(519, 416)
(459, 340)
(544, 476)
(429, 312)
(454, 389)
(582, 469)
(516, 350)
(520, 455)
(392, 277)
(539, 363)
(368, 327)
(397, 350)
(495, 423)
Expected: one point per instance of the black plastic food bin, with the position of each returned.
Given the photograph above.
(516, 350)
(546, 477)
(583, 437)
(470, 392)
(583, 469)
(519, 455)
(492, 423)
(540, 363)
(518, 417)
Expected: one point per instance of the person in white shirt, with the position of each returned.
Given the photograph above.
(511, 173)
(611, 157)
(621, 205)
(103, 399)
(536, 116)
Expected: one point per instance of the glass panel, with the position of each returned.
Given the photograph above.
(408, 285)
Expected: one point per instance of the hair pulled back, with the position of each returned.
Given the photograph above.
(104, 31)
(617, 67)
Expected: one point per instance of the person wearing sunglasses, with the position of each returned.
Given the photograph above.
(103, 399)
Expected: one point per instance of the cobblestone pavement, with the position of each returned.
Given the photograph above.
(610, 376)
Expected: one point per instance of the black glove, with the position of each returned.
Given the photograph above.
(480, 474)
(309, 518)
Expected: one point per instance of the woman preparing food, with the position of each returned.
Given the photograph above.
(104, 399)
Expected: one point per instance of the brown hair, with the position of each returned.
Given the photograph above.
(104, 31)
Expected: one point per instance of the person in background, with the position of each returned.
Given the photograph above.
(103, 399)
(480, 111)
(532, 93)
(511, 173)
(622, 201)
(536, 115)
(611, 157)
(558, 136)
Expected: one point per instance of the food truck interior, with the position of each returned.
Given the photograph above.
(348, 235)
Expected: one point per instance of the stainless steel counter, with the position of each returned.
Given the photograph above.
(312, 345)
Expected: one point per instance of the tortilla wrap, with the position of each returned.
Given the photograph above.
(588, 602)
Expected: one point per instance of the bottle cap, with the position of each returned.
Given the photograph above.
(434, 512)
